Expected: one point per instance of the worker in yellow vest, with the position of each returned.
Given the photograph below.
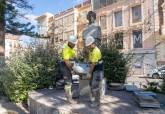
(96, 70)
(68, 53)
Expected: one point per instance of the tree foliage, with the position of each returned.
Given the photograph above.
(163, 86)
(27, 71)
(116, 63)
(11, 11)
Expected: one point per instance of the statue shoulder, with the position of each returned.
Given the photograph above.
(96, 24)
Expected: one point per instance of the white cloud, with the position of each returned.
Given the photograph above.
(32, 18)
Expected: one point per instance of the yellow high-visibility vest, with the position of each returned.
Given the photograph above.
(68, 53)
(95, 55)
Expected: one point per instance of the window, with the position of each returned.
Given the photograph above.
(118, 19)
(15, 45)
(111, 1)
(70, 20)
(137, 39)
(102, 3)
(119, 40)
(103, 22)
(136, 14)
(65, 21)
(96, 4)
(56, 39)
(10, 44)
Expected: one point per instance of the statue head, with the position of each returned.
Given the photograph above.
(91, 17)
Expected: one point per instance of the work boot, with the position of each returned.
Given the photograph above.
(68, 92)
(92, 99)
(94, 104)
(95, 99)
(97, 96)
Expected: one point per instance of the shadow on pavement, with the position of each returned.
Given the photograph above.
(7, 105)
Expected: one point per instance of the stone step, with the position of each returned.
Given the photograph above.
(147, 99)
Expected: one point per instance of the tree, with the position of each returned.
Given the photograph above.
(2, 26)
(13, 12)
(30, 69)
(10, 11)
(116, 63)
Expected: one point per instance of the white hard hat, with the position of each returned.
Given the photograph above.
(72, 39)
(89, 40)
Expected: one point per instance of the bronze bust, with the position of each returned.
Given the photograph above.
(93, 29)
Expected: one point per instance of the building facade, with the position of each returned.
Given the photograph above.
(51, 27)
(44, 24)
(82, 21)
(11, 44)
(133, 24)
(160, 45)
(65, 24)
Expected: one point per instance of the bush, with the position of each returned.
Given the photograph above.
(116, 64)
(1, 89)
(29, 70)
(163, 86)
(1, 70)
(152, 86)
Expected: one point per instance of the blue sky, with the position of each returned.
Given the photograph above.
(52, 6)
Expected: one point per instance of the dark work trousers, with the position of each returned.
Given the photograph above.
(66, 73)
(97, 76)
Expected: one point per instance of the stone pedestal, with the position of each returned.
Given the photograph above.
(85, 88)
(48, 102)
(147, 99)
(54, 102)
(114, 102)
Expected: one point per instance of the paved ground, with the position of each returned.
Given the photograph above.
(115, 102)
(6, 105)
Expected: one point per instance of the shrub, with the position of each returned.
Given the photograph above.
(116, 63)
(35, 68)
(1, 89)
(152, 86)
(1, 71)
(163, 86)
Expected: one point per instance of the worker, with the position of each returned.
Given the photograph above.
(68, 53)
(92, 29)
(95, 74)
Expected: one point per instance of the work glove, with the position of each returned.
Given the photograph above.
(89, 76)
(72, 72)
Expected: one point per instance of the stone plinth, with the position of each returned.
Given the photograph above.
(48, 102)
(54, 102)
(114, 102)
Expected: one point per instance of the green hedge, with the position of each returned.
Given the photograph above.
(29, 70)
(163, 86)
(116, 64)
